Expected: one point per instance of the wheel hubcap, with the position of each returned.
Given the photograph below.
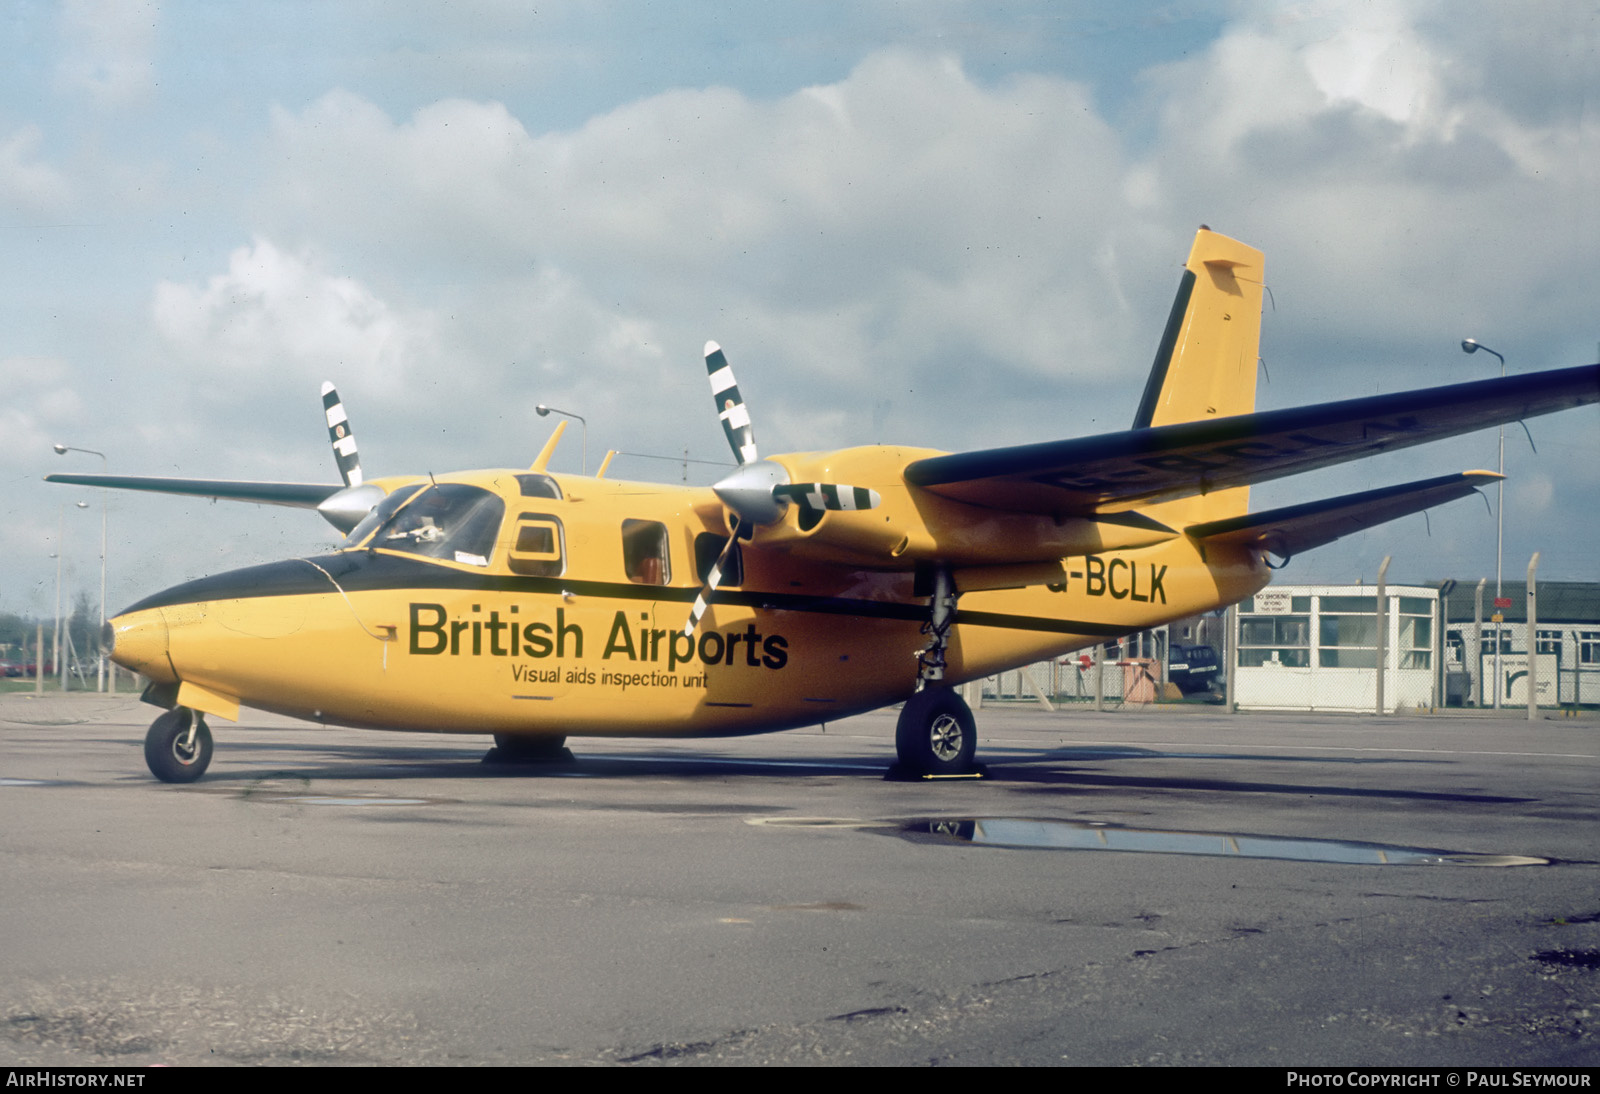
(945, 738)
(186, 749)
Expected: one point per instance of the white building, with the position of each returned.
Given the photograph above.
(1317, 647)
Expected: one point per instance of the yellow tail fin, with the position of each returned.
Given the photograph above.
(1205, 367)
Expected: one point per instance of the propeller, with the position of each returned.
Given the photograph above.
(344, 442)
(759, 492)
(346, 508)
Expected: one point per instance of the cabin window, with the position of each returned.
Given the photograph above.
(450, 521)
(538, 548)
(644, 552)
(707, 547)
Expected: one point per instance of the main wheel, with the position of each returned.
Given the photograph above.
(514, 748)
(173, 755)
(936, 734)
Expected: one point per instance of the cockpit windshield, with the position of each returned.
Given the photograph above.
(449, 521)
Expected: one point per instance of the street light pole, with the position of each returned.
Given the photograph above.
(545, 412)
(1472, 345)
(61, 535)
(99, 636)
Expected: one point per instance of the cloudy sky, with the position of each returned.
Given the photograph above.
(948, 224)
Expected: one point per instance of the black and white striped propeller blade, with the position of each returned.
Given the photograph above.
(345, 509)
(730, 406)
(344, 442)
(713, 579)
(828, 496)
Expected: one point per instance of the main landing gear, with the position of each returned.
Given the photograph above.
(513, 748)
(936, 735)
(178, 746)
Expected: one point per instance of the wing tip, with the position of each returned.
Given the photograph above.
(712, 347)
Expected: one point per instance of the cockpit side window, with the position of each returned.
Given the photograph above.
(451, 521)
(644, 552)
(707, 549)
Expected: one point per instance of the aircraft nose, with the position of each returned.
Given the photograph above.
(139, 642)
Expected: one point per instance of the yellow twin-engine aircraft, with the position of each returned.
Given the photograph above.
(803, 587)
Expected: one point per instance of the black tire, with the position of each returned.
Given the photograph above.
(936, 734)
(165, 751)
(514, 748)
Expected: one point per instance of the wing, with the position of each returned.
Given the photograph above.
(1117, 471)
(1295, 528)
(301, 495)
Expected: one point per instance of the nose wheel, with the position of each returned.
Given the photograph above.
(177, 747)
(936, 734)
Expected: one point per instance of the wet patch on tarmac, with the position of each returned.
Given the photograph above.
(1059, 835)
(301, 796)
(1572, 959)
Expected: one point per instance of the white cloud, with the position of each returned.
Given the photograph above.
(1342, 138)
(903, 221)
(275, 314)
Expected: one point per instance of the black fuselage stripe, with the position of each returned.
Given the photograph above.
(356, 572)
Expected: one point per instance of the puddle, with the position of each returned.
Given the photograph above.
(312, 800)
(289, 797)
(811, 822)
(1097, 836)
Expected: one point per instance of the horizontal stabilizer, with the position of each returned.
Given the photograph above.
(1117, 471)
(1295, 528)
(302, 495)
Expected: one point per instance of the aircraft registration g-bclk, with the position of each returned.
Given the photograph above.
(801, 588)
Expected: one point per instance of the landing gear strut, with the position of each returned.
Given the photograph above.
(177, 747)
(936, 734)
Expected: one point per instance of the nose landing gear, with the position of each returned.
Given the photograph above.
(177, 747)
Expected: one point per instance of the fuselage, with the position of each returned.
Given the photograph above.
(518, 602)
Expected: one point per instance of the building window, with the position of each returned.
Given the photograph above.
(1414, 645)
(1275, 640)
(1347, 641)
(1549, 642)
(1489, 634)
(1589, 647)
